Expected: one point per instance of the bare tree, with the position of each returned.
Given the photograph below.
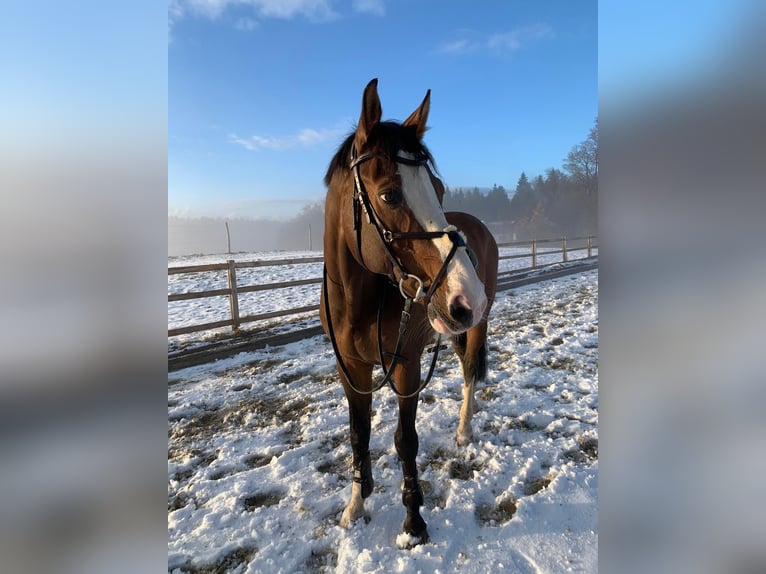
(582, 162)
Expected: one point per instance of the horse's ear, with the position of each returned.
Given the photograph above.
(419, 117)
(371, 113)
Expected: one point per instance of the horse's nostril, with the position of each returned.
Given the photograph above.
(460, 311)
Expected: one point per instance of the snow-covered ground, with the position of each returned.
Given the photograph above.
(259, 458)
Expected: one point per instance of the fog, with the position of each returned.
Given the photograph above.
(206, 235)
(209, 236)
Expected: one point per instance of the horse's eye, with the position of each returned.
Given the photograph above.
(391, 197)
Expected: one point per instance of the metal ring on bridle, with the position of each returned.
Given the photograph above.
(419, 293)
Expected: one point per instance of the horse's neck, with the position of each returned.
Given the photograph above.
(351, 283)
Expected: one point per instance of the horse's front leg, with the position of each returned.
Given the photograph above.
(406, 440)
(359, 424)
(471, 348)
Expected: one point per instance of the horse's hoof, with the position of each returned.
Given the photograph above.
(464, 438)
(353, 511)
(414, 532)
(407, 541)
(350, 517)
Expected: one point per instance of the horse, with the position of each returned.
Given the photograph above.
(398, 271)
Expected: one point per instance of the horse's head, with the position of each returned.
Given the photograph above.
(398, 227)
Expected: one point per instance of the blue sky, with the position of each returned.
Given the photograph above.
(261, 92)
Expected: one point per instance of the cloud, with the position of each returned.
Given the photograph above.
(515, 39)
(318, 10)
(457, 47)
(315, 10)
(305, 138)
(519, 37)
(374, 7)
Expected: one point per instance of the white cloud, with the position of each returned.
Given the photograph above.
(374, 7)
(316, 10)
(457, 47)
(513, 40)
(287, 9)
(305, 138)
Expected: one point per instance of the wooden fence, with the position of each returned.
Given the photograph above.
(563, 246)
(575, 245)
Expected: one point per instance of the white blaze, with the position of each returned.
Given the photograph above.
(420, 195)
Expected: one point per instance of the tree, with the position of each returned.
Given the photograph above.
(523, 185)
(524, 200)
(582, 162)
(497, 204)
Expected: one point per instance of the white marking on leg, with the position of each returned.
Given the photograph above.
(464, 430)
(355, 508)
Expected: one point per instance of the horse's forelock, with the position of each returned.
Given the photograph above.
(389, 137)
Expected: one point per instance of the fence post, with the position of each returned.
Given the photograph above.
(564, 249)
(233, 298)
(589, 246)
(534, 253)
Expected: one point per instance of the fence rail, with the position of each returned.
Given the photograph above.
(233, 289)
(534, 253)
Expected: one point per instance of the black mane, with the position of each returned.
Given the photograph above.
(390, 137)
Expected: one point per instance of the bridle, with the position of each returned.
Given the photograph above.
(362, 204)
(398, 275)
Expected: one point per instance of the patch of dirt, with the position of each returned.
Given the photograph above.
(340, 467)
(487, 393)
(462, 470)
(255, 368)
(587, 451)
(176, 454)
(427, 398)
(268, 411)
(589, 446)
(205, 459)
(496, 514)
(233, 560)
(563, 363)
(180, 500)
(536, 485)
(258, 460)
(221, 472)
(268, 498)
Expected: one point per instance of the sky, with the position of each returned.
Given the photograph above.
(262, 92)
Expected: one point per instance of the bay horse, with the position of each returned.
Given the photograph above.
(399, 270)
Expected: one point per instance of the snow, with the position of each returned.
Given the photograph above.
(259, 458)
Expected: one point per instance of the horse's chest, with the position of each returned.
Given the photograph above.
(367, 337)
